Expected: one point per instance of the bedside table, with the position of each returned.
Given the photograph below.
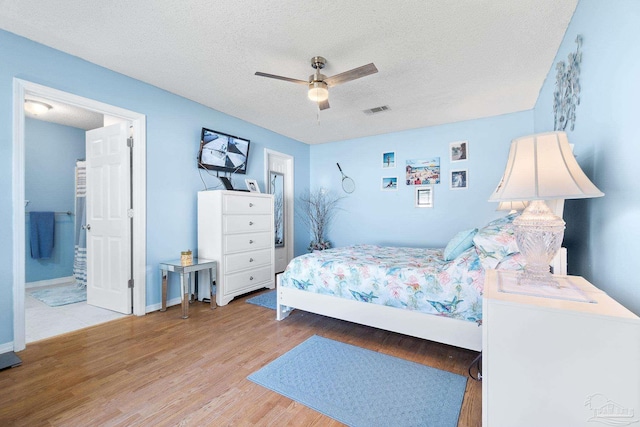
(554, 362)
(198, 264)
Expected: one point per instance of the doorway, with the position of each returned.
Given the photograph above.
(279, 168)
(23, 88)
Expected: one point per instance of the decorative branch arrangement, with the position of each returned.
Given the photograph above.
(567, 94)
(317, 209)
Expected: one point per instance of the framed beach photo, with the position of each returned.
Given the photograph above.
(421, 172)
(459, 179)
(389, 159)
(459, 151)
(389, 183)
(424, 197)
(252, 185)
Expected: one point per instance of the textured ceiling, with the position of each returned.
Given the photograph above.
(65, 114)
(439, 61)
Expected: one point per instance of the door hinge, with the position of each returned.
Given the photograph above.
(129, 213)
(130, 142)
(130, 283)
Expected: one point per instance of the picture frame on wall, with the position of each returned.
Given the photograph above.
(388, 159)
(389, 183)
(459, 179)
(421, 172)
(424, 197)
(459, 151)
(252, 185)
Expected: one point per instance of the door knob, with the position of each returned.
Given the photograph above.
(87, 227)
(250, 222)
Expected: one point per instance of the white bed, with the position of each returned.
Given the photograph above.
(331, 285)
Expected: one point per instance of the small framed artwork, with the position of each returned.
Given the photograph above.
(389, 183)
(459, 179)
(459, 151)
(389, 159)
(252, 185)
(424, 197)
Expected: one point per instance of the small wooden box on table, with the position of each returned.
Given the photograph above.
(185, 271)
(556, 362)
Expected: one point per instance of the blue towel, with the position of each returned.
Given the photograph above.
(41, 230)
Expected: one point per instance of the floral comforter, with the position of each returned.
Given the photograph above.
(409, 278)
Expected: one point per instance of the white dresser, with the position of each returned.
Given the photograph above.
(236, 229)
(552, 362)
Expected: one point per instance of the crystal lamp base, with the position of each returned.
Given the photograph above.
(539, 233)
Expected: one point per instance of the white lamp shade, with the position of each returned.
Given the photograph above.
(542, 167)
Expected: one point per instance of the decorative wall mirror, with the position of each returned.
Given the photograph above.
(276, 187)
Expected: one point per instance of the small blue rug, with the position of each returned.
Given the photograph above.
(360, 387)
(62, 295)
(267, 299)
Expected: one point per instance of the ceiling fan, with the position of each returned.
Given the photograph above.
(319, 83)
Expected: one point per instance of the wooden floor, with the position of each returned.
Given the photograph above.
(161, 370)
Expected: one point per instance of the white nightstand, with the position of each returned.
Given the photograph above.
(552, 362)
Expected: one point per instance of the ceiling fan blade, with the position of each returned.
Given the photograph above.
(347, 76)
(286, 79)
(323, 104)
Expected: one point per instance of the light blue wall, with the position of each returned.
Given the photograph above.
(370, 215)
(173, 133)
(603, 235)
(51, 151)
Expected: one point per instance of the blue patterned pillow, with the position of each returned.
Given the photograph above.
(460, 243)
(496, 241)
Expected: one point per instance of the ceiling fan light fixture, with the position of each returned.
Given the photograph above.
(318, 91)
(36, 107)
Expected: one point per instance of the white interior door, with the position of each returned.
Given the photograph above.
(283, 164)
(108, 224)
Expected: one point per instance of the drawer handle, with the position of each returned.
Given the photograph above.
(250, 259)
(250, 205)
(251, 278)
(250, 242)
(250, 222)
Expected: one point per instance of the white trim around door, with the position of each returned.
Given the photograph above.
(289, 195)
(20, 89)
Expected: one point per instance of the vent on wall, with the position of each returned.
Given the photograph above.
(376, 110)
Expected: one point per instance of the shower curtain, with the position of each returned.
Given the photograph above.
(80, 254)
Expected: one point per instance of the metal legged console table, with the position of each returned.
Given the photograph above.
(185, 271)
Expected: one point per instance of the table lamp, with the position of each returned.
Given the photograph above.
(512, 206)
(541, 167)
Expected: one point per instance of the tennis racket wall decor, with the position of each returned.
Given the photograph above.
(348, 185)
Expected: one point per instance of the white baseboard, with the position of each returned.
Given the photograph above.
(156, 307)
(49, 282)
(6, 347)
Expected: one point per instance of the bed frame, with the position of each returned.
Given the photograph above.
(441, 329)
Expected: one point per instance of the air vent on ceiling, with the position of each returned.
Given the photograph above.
(376, 110)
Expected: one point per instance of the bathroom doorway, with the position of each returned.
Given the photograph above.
(23, 90)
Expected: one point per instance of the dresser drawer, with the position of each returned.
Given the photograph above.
(245, 260)
(246, 223)
(246, 279)
(232, 203)
(247, 242)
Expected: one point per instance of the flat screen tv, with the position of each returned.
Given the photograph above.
(222, 152)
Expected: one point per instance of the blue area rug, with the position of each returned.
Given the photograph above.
(61, 295)
(267, 299)
(361, 387)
